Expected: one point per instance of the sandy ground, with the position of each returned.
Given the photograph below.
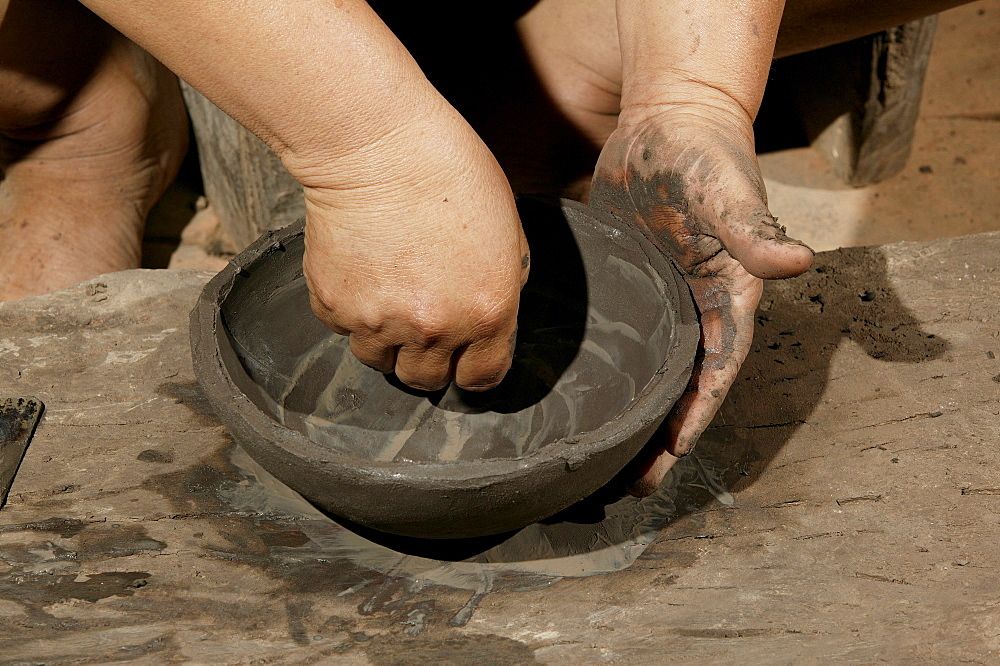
(948, 187)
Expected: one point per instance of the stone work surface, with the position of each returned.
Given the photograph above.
(844, 506)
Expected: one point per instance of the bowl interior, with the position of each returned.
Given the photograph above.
(594, 326)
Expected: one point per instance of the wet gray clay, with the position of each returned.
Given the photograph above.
(607, 334)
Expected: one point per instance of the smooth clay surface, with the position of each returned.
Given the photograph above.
(600, 314)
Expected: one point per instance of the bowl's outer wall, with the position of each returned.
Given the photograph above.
(429, 500)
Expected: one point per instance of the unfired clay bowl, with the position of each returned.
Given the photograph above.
(606, 341)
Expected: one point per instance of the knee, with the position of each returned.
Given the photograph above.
(27, 105)
(49, 50)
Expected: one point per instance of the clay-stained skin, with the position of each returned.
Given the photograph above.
(683, 189)
(671, 208)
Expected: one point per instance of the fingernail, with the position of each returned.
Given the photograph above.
(477, 387)
(781, 234)
(428, 389)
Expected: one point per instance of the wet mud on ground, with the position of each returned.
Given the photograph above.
(844, 505)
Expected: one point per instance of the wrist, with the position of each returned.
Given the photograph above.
(334, 140)
(432, 155)
(687, 103)
(697, 50)
(643, 94)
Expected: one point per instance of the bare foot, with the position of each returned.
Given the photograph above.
(204, 246)
(80, 178)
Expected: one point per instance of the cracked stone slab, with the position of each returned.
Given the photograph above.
(835, 517)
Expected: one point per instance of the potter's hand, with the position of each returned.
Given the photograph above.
(421, 260)
(688, 177)
(414, 247)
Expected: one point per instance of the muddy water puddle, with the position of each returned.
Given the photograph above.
(600, 536)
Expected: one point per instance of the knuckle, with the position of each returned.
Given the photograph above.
(483, 377)
(425, 333)
(364, 322)
(422, 380)
(490, 318)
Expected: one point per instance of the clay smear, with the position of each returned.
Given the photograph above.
(538, 555)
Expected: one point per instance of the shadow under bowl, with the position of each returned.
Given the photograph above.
(607, 334)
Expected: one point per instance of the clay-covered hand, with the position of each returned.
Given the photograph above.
(688, 177)
(421, 259)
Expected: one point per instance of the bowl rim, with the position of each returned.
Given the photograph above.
(239, 413)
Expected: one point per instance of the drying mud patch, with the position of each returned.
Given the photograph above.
(845, 298)
(64, 527)
(420, 583)
(466, 649)
(35, 576)
(191, 396)
(47, 589)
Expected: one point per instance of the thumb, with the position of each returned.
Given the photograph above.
(760, 244)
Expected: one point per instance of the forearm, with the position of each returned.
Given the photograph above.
(317, 80)
(714, 49)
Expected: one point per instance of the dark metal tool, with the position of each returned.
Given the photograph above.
(18, 419)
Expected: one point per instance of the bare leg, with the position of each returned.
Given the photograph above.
(92, 130)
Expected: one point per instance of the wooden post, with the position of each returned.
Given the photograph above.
(858, 101)
(245, 183)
